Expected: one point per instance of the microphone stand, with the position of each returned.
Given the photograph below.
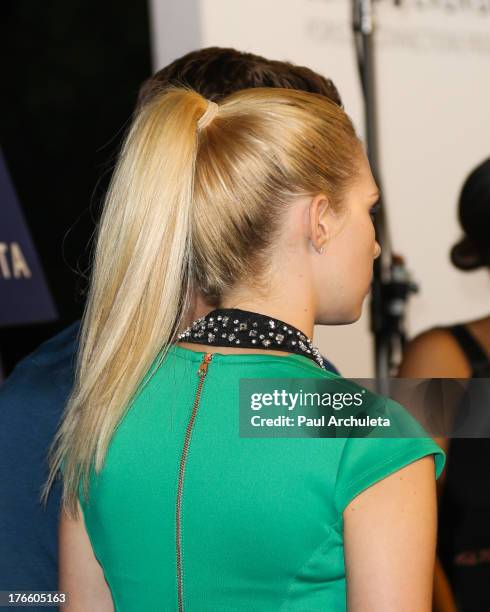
(391, 283)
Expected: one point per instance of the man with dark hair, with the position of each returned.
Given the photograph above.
(33, 397)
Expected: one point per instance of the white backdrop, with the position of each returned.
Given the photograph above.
(433, 69)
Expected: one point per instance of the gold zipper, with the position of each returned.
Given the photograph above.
(201, 372)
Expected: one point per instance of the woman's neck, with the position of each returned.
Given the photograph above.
(291, 301)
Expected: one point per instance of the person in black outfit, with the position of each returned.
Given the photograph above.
(462, 350)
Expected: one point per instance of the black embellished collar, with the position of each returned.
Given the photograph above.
(236, 327)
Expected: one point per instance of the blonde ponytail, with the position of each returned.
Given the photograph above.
(140, 282)
(196, 204)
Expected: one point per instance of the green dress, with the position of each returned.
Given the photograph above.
(258, 523)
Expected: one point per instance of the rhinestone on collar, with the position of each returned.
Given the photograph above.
(233, 326)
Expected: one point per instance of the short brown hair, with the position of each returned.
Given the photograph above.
(216, 72)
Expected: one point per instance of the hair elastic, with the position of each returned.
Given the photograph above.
(208, 115)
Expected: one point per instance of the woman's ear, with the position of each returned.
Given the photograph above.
(320, 220)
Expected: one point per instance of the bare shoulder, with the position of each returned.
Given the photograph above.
(390, 539)
(434, 353)
(80, 574)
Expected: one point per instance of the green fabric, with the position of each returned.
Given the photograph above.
(261, 518)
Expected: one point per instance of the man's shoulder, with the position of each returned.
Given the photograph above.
(50, 367)
(330, 366)
(31, 403)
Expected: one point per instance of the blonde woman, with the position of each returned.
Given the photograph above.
(261, 204)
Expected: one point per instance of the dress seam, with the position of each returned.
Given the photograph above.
(261, 359)
(331, 528)
(327, 375)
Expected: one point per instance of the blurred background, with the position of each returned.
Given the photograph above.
(71, 78)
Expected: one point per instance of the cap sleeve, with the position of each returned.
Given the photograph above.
(367, 460)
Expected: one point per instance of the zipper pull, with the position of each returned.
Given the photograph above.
(203, 368)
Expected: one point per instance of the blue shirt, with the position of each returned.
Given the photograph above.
(31, 403)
